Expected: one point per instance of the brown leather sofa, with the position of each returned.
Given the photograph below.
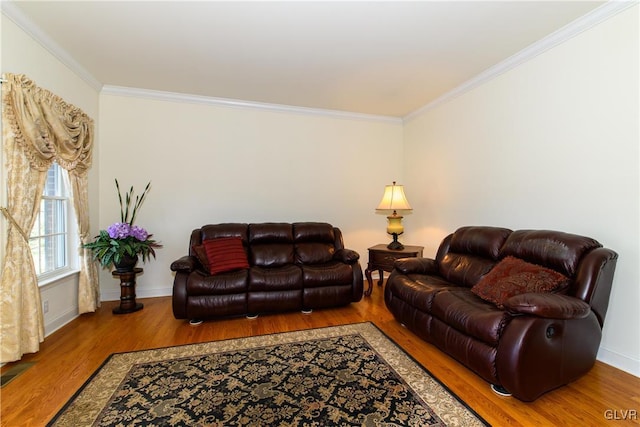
(529, 344)
(299, 266)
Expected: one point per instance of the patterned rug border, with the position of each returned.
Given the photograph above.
(363, 328)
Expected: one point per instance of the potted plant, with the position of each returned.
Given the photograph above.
(122, 243)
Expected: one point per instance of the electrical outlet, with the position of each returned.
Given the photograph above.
(45, 306)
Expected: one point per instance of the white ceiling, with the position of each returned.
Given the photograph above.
(375, 57)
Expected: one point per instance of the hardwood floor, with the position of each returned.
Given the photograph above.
(69, 356)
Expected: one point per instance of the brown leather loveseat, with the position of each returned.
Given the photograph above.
(522, 309)
(275, 267)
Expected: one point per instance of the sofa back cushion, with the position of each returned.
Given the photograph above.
(270, 244)
(553, 249)
(314, 242)
(216, 231)
(471, 253)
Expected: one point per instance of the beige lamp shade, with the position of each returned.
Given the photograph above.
(394, 200)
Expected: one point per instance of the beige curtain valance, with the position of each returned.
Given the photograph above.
(47, 127)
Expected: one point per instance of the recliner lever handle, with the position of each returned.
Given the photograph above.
(551, 332)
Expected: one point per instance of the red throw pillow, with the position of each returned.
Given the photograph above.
(513, 276)
(225, 254)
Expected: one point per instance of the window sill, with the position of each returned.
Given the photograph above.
(52, 279)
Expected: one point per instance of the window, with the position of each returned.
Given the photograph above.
(53, 237)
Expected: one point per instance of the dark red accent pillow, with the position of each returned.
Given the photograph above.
(225, 254)
(201, 254)
(513, 276)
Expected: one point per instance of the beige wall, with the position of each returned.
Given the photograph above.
(21, 54)
(211, 164)
(551, 144)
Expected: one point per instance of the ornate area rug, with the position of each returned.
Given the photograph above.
(342, 375)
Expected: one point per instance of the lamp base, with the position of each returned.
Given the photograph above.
(395, 245)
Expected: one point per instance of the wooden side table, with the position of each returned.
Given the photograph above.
(381, 258)
(127, 292)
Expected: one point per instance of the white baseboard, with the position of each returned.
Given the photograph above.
(620, 361)
(57, 323)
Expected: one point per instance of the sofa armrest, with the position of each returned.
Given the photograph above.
(416, 266)
(185, 264)
(549, 306)
(536, 355)
(347, 256)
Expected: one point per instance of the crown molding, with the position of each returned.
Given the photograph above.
(237, 103)
(11, 11)
(560, 36)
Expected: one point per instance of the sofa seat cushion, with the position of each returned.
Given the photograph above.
(469, 314)
(418, 290)
(331, 273)
(513, 276)
(232, 282)
(288, 277)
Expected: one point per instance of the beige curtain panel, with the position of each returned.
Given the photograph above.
(39, 128)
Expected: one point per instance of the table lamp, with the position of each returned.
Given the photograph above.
(394, 200)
